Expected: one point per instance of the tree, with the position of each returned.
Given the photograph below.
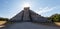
(55, 17)
(3, 19)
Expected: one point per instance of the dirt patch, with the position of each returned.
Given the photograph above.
(57, 23)
(2, 23)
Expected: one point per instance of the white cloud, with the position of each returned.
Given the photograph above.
(46, 9)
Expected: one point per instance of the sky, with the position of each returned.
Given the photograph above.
(46, 8)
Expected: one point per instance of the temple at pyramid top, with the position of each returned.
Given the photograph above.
(28, 15)
(26, 8)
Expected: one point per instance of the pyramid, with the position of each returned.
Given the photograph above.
(28, 15)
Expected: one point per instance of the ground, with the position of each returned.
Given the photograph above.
(57, 23)
(2, 23)
(30, 25)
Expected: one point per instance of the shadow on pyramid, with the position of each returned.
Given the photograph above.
(28, 15)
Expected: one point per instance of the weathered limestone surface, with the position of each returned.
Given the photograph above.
(28, 15)
(37, 17)
(18, 17)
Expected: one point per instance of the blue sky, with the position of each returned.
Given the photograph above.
(9, 8)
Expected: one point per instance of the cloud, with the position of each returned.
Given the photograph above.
(46, 9)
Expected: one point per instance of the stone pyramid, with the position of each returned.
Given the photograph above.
(28, 15)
